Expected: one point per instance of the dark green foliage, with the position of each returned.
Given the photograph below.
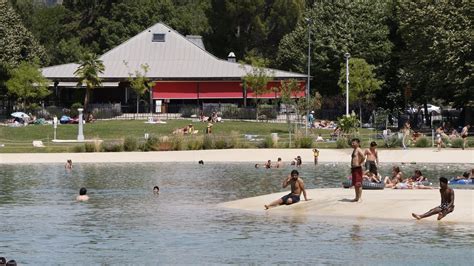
(79, 148)
(423, 142)
(130, 144)
(456, 143)
(304, 142)
(342, 143)
(113, 146)
(208, 142)
(267, 142)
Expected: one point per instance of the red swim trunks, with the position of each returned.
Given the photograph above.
(357, 176)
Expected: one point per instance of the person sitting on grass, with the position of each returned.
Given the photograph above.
(447, 202)
(297, 187)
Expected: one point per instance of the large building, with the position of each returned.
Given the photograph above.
(185, 73)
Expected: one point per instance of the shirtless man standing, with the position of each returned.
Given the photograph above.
(297, 187)
(371, 158)
(447, 202)
(357, 158)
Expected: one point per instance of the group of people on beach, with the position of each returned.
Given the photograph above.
(440, 134)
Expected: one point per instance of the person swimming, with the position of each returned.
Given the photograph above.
(156, 189)
(68, 164)
(82, 195)
(201, 162)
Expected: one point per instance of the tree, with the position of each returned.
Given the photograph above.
(16, 42)
(257, 79)
(27, 84)
(337, 27)
(88, 74)
(250, 25)
(363, 83)
(140, 83)
(436, 61)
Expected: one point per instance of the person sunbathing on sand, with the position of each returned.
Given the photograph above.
(297, 187)
(447, 202)
(371, 177)
(397, 176)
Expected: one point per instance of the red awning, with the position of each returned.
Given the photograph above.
(175, 90)
(274, 93)
(217, 90)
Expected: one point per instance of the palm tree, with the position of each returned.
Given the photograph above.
(88, 73)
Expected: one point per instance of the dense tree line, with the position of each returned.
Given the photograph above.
(420, 50)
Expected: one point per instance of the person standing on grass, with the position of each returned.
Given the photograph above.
(357, 159)
(464, 134)
(447, 202)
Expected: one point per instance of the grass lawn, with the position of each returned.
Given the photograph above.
(19, 139)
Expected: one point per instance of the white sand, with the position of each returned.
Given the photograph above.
(387, 204)
(242, 155)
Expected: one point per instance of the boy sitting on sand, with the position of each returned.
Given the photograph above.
(447, 202)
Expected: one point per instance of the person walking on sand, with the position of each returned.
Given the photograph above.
(371, 158)
(297, 187)
(357, 158)
(464, 134)
(439, 137)
(447, 202)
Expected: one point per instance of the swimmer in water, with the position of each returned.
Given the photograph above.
(82, 195)
(156, 190)
(68, 164)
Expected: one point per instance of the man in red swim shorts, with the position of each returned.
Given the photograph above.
(357, 159)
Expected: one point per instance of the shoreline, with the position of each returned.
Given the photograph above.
(332, 203)
(422, 155)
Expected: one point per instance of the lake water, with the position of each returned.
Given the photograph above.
(125, 223)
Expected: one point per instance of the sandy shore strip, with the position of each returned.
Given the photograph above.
(240, 155)
(387, 204)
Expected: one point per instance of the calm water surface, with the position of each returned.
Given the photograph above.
(125, 223)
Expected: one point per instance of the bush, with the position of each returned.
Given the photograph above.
(233, 140)
(304, 142)
(150, 144)
(208, 143)
(393, 141)
(423, 142)
(114, 146)
(130, 144)
(79, 148)
(73, 111)
(470, 143)
(348, 124)
(456, 143)
(341, 143)
(268, 111)
(267, 142)
(220, 143)
(177, 143)
(195, 143)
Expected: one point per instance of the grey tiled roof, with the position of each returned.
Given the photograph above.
(176, 58)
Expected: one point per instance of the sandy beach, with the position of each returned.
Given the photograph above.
(387, 204)
(241, 155)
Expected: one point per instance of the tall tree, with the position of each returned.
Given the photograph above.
(256, 80)
(357, 27)
(437, 59)
(16, 42)
(27, 84)
(88, 74)
(244, 26)
(140, 83)
(363, 83)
